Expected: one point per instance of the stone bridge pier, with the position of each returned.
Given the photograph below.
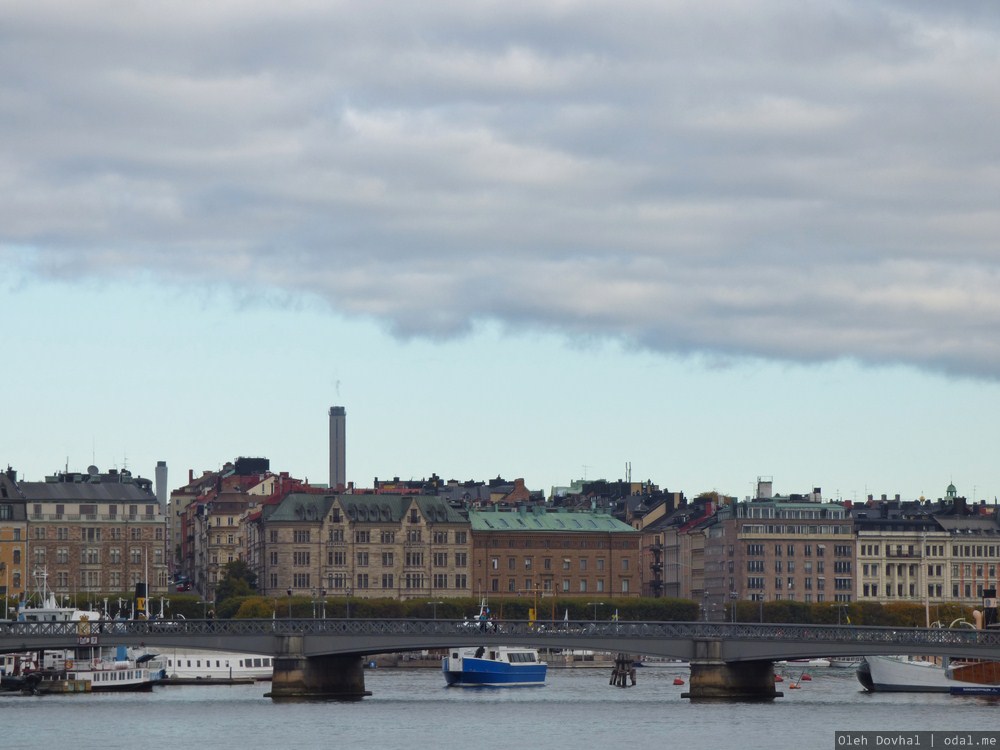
(297, 676)
(713, 679)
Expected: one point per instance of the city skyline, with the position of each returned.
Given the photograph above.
(533, 240)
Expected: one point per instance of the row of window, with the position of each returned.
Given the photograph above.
(567, 563)
(583, 586)
(91, 556)
(340, 583)
(934, 590)
(958, 570)
(338, 558)
(383, 536)
(930, 550)
(758, 550)
(757, 583)
(94, 580)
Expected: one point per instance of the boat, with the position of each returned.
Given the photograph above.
(89, 667)
(494, 666)
(114, 670)
(193, 666)
(844, 662)
(903, 675)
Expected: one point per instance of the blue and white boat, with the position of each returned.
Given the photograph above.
(493, 666)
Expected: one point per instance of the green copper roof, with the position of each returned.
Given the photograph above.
(539, 520)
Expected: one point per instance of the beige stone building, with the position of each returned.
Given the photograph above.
(369, 546)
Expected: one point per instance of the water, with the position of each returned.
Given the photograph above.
(411, 710)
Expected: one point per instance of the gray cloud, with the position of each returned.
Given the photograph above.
(783, 180)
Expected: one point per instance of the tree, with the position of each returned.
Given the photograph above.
(238, 580)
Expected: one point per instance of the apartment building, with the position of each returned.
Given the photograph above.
(796, 548)
(94, 533)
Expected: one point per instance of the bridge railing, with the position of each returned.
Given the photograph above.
(11, 632)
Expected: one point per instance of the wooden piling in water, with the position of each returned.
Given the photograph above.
(623, 672)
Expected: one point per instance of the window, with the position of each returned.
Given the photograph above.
(440, 559)
(301, 536)
(461, 559)
(461, 537)
(387, 582)
(387, 562)
(300, 558)
(362, 558)
(387, 537)
(414, 559)
(362, 537)
(440, 537)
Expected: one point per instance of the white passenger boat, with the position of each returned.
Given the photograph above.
(192, 665)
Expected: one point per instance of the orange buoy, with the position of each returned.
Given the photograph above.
(678, 681)
(793, 686)
(779, 678)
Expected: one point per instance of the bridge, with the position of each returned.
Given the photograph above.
(324, 656)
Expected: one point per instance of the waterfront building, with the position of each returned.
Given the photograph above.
(921, 551)
(533, 550)
(797, 548)
(673, 550)
(94, 533)
(13, 538)
(361, 545)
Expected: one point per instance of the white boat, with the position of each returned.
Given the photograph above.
(193, 665)
(903, 675)
(799, 663)
(116, 671)
(493, 666)
(90, 667)
(844, 662)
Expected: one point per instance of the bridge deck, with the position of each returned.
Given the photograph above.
(739, 641)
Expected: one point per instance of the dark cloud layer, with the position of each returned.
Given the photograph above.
(786, 180)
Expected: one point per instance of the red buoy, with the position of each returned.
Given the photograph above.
(678, 681)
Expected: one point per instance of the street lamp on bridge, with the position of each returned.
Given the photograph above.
(595, 605)
(434, 609)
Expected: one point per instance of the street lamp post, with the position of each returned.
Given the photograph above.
(434, 609)
(323, 603)
(347, 601)
(312, 596)
(595, 605)
(289, 604)
(732, 604)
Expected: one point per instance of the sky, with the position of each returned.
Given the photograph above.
(692, 243)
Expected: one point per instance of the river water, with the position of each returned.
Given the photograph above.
(410, 709)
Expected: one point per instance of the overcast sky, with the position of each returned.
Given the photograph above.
(541, 239)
